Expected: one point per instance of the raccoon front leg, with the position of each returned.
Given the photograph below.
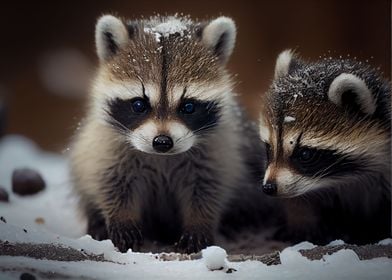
(96, 225)
(122, 214)
(201, 214)
(124, 231)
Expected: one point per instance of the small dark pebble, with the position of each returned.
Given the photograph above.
(27, 276)
(26, 181)
(231, 270)
(3, 195)
(25, 230)
(3, 219)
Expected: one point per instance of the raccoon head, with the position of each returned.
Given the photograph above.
(162, 83)
(325, 124)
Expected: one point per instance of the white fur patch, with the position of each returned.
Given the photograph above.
(266, 175)
(105, 90)
(264, 130)
(201, 91)
(283, 63)
(114, 26)
(213, 32)
(123, 90)
(183, 138)
(284, 177)
(345, 82)
(141, 138)
(291, 184)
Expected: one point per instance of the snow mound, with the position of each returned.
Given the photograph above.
(387, 241)
(336, 242)
(214, 257)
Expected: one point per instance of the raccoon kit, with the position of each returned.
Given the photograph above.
(159, 151)
(327, 129)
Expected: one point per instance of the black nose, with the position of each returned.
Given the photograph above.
(162, 143)
(270, 188)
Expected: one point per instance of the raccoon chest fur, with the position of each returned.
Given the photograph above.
(158, 184)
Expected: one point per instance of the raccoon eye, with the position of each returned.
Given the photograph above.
(139, 105)
(187, 108)
(306, 155)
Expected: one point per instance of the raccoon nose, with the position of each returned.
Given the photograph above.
(270, 188)
(162, 143)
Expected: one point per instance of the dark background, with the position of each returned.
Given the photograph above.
(40, 39)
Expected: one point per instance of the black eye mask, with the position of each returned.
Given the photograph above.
(315, 162)
(199, 116)
(129, 113)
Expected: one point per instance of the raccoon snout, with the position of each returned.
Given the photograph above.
(270, 188)
(162, 143)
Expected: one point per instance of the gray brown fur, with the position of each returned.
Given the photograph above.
(354, 205)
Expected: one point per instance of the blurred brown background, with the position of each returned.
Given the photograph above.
(48, 53)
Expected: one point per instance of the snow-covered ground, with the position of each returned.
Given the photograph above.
(58, 223)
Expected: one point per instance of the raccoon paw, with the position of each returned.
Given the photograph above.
(125, 236)
(193, 241)
(97, 230)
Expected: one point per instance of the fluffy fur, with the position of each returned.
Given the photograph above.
(130, 190)
(327, 128)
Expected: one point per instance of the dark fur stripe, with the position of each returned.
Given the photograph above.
(111, 44)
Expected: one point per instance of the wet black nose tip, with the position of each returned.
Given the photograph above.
(270, 188)
(162, 143)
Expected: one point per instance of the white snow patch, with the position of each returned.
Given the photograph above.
(171, 26)
(214, 257)
(336, 242)
(56, 204)
(387, 241)
(303, 246)
(289, 119)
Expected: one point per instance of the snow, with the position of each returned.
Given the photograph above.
(288, 119)
(18, 152)
(57, 206)
(171, 25)
(214, 257)
(387, 241)
(336, 242)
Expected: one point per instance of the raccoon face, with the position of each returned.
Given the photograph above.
(162, 84)
(322, 133)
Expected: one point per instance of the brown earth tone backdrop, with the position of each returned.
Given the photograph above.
(48, 54)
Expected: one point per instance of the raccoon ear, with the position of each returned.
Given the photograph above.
(219, 35)
(285, 63)
(110, 35)
(348, 90)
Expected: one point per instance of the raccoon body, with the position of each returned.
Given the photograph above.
(159, 154)
(327, 128)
